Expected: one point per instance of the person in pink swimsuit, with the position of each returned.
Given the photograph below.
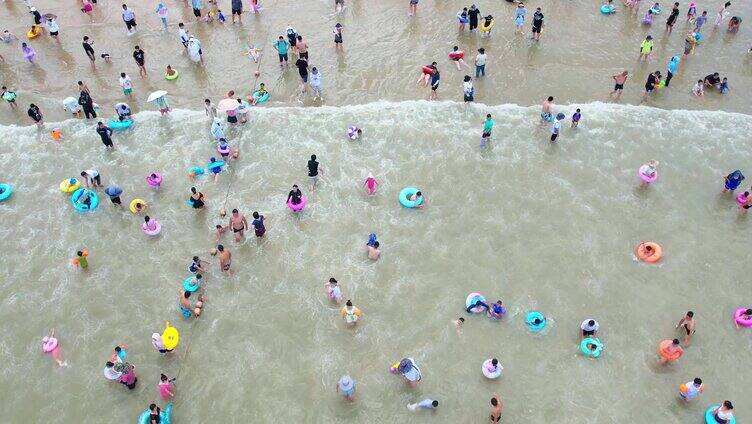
(166, 388)
(50, 345)
(371, 184)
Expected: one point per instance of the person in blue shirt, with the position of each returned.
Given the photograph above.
(672, 65)
(732, 181)
(281, 47)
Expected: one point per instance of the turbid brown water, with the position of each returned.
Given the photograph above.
(547, 227)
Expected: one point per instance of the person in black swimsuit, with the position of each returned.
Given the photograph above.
(295, 195)
(197, 198)
(688, 323)
(154, 417)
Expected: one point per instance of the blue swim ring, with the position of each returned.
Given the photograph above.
(607, 9)
(185, 311)
(710, 419)
(165, 414)
(82, 207)
(191, 287)
(119, 125)
(530, 318)
(216, 164)
(7, 190)
(198, 171)
(261, 99)
(655, 11)
(585, 347)
(404, 197)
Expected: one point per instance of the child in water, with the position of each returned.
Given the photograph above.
(50, 345)
(81, 260)
(724, 88)
(699, 89)
(370, 184)
(576, 118)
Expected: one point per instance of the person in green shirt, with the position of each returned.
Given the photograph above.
(281, 47)
(487, 127)
(81, 259)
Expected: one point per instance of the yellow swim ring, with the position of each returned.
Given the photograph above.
(69, 185)
(170, 336)
(172, 77)
(484, 27)
(34, 32)
(132, 205)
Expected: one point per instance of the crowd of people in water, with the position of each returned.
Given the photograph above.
(234, 109)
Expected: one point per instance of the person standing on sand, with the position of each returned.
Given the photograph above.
(537, 24)
(225, 260)
(496, 407)
(129, 17)
(138, 56)
(238, 223)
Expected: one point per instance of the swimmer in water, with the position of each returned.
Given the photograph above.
(350, 314)
(649, 251)
(417, 198)
(619, 80)
(424, 404)
(425, 77)
(333, 291)
(497, 311)
(671, 350)
(225, 259)
(475, 303)
(239, 224)
(346, 387)
(195, 266)
(374, 253)
(197, 199)
(166, 388)
(371, 184)
(688, 323)
(456, 57)
(196, 309)
(496, 407)
(82, 259)
(588, 328)
(221, 230)
(693, 389)
(258, 224)
(546, 115)
(732, 181)
(458, 325)
(48, 342)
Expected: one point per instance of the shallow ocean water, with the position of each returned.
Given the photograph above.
(550, 227)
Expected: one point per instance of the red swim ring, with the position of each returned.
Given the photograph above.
(459, 55)
(427, 70)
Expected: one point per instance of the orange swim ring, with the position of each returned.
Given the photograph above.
(649, 252)
(666, 353)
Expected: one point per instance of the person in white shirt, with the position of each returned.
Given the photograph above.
(126, 84)
(467, 88)
(589, 327)
(91, 178)
(129, 17)
(315, 82)
(54, 29)
(699, 89)
(183, 35)
(480, 63)
(424, 404)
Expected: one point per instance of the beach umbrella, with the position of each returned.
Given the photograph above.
(227, 104)
(155, 95)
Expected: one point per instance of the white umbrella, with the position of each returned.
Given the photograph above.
(155, 95)
(227, 104)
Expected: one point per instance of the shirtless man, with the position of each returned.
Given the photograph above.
(373, 251)
(496, 406)
(225, 259)
(688, 321)
(546, 110)
(185, 303)
(238, 223)
(302, 48)
(619, 80)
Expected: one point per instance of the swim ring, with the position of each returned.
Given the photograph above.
(743, 322)
(5, 191)
(225, 151)
(156, 181)
(472, 298)
(165, 415)
(462, 19)
(34, 32)
(172, 77)
(530, 318)
(710, 418)
(132, 205)
(82, 207)
(642, 253)
(70, 185)
(585, 347)
(115, 124)
(487, 27)
(741, 199)
(153, 229)
(404, 197)
(488, 366)
(170, 336)
(299, 207)
(665, 354)
(608, 9)
(9, 95)
(427, 70)
(261, 99)
(197, 171)
(644, 176)
(459, 55)
(188, 286)
(215, 164)
(49, 344)
(656, 11)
